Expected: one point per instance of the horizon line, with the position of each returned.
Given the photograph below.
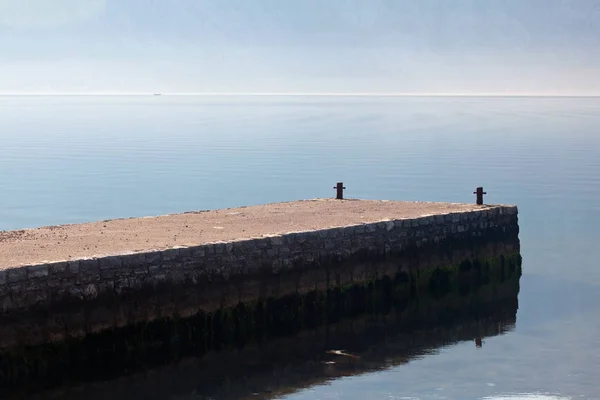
(298, 94)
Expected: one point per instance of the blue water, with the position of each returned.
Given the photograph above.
(75, 159)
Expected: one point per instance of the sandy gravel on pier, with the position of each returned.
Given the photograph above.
(64, 242)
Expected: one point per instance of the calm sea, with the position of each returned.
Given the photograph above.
(75, 159)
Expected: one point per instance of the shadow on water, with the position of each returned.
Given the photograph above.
(277, 346)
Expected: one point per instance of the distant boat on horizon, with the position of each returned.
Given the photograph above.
(157, 94)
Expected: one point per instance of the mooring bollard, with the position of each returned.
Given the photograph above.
(479, 192)
(340, 190)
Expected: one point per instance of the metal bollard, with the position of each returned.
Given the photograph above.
(479, 192)
(340, 190)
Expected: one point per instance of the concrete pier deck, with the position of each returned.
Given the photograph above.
(122, 236)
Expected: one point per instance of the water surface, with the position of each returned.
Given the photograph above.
(76, 159)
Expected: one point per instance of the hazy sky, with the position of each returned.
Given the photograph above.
(457, 46)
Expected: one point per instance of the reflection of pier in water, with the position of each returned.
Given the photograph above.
(284, 365)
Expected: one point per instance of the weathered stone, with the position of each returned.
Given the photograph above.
(330, 244)
(15, 287)
(185, 253)
(120, 272)
(198, 252)
(34, 285)
(89, 266)
(345, 231)
(141, 270)
(132, 260)
(57, 267)
(152, 269)
(262, 243)
(88, 278)
(110, 262)
(158, 278)
(170, 255)
(176, 277)
(18, 274)
(106, 286)
(152, 257)
(6, 303)
(90, 292)
(76, 292)
(37, 271)
(135, 283)
(220, 248)
(359, 229)
(121, 285)
(54, 283)
(322, 233)
(73, 267)
(36, 297)
(276, 240)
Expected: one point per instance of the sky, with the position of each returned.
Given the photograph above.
(307, 46)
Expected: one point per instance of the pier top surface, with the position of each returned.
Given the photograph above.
(94, 239)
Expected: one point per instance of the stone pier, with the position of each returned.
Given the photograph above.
(283, 266)
(231, 256)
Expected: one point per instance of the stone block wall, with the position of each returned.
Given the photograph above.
(242, 261)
